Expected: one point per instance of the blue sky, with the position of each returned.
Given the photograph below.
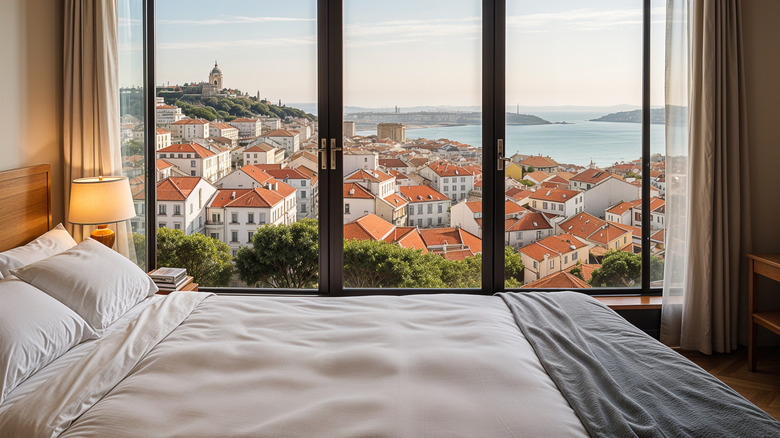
(408, 53)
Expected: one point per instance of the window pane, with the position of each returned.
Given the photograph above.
(413, 127)
(132, 115)
(574, 136)
(236, 140)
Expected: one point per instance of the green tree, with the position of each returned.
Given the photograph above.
(370, 263)
(139, 242)
(513, 268)
(133, 147)
(281, 256)
(530, 169)
(207, 260)
(631, 174)
(623, 269)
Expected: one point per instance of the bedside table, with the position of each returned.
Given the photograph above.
(766, 265)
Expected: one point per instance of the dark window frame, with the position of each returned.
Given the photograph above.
(330, 114)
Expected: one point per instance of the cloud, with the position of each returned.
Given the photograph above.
(410, 31)
(233, 20)
(581, 20)
(213, 45)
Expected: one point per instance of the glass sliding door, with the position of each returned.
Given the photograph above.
(412, 158)
(573, 197)
(133, 115)
(236, 147)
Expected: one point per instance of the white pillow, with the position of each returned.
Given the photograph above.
(95, 281)
(49, 243)
(35, 329)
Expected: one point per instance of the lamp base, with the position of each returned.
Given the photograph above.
(104, 235)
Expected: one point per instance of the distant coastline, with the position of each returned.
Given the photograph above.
(657, 117)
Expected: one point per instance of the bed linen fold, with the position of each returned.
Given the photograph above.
(51, 408)
(621, 383)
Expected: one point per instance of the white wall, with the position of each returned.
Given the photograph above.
(31, 50)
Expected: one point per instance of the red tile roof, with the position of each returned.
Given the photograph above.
(586, 270)
(447, 169)
(537, 161)
(451, 236)
(191, 122)
(278, 133)
(591, 176)
(193, 148)
(422, 194)
(558, 280)
(176, 188)
(162, 164)
(395, 200)
(356, 191)
(245, 120)
(246, 198)
(368, 227)
(530, 220)
(555, 195)
(392, 162)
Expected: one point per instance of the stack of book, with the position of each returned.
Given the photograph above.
(169, 279)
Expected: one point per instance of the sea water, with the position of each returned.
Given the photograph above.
(579, 141)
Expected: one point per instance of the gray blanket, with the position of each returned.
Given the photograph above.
(622, 383)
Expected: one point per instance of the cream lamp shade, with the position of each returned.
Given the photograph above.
(100, 200)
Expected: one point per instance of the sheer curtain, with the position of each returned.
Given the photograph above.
(707, 194)
(91, 96)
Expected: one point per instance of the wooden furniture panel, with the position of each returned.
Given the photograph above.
(766, 265)
(25, 196)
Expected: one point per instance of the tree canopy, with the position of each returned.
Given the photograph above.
(281, 256)
(623, 269)
(288, 256)
(230, 108)
(207, 260)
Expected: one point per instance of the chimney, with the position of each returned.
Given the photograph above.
(233, 195)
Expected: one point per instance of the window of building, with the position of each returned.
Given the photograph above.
(250, 218)
(234, 236)
(177, 210)
(162, 209)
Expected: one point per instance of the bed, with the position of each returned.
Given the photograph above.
(195, 364)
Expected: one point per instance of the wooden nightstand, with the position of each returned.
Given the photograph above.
(767, 265)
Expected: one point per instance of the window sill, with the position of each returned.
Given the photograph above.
(631, 303)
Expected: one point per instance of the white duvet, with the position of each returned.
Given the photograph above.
(416, 366)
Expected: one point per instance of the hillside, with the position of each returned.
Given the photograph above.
(656, 117)
(229, 108)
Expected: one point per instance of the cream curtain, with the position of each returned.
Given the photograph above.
(707, 196)
(91, 97)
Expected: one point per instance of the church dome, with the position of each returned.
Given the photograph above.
(216, 69)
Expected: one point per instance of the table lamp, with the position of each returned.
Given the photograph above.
(100, 201)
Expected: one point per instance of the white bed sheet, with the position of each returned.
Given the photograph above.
(72, 356)
(416, 366)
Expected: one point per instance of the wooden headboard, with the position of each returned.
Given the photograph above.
(25, 204)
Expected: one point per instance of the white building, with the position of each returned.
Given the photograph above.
(354, 160)
(552, 254)
(219, 129)
(270, 123)
(181, 203)
(289, 141)
(163, 139)
(427, 206)
(168, 115)
(558, 201)
(609, 192)
(454, 181)
(235, 214)
(306, 190)
(305, 159)
(358, 202)
(526, 228)
(190, 129)
(263, 153)
(197, 160)
(247, 128)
